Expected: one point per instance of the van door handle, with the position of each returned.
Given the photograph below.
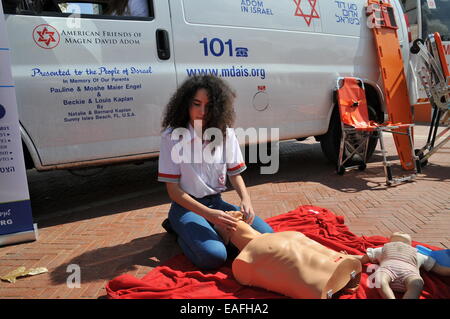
(162, 44)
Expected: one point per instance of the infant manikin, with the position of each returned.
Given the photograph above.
(290, 263)
(399, 267)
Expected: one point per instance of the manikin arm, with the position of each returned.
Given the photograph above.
(243, 234)
(441, 270)
(364, 259)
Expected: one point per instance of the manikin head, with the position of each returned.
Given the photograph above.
(401, 237)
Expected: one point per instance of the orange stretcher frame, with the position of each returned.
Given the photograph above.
(441, 53)
(393, 74)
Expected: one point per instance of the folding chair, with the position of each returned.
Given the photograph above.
(354, 117)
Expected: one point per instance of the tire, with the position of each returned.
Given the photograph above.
(29, 164)
(255, 158)
(330, 142)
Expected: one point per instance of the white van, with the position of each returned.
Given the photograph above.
(91, 88)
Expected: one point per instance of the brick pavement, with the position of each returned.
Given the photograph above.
(118, 230)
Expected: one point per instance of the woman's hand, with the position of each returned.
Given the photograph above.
(222, 219)
(246, 203)
(247, 210)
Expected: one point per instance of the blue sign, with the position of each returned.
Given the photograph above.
(16, 221)
(15, 217)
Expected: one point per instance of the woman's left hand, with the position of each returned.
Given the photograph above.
(247, 210)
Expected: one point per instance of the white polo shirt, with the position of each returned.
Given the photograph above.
(191, 163)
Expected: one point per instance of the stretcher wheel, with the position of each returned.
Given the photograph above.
(388, 175)
(341, 170)
(420, 154)
(418, 166)
(415, 48)
(362, 167)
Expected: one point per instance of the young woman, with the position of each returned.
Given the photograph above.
(194, 186)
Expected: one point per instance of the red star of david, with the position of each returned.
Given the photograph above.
(308, 17)
(47, 33)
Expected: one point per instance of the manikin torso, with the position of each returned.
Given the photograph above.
(290, 263)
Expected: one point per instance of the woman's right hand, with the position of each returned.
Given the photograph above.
(222, 219)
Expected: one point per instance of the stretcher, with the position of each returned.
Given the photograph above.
(434, 74)
(384, 28)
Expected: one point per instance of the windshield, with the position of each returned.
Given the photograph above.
(436, 18)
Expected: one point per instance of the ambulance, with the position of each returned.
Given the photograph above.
(91, 87)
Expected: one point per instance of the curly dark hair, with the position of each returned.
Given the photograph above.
(220, 112)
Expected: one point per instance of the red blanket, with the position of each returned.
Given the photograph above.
(178, 278)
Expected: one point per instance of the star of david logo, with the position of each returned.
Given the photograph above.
(308, 17)
(46, 36)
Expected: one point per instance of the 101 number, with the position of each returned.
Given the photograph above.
(216, 46)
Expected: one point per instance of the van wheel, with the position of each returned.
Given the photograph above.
(331, 140)
(252, 154)
(29, 164)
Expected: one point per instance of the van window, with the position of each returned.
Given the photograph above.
(82, 8)
(436, 18)
(104, 9)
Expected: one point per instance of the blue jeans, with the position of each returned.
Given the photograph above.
(197, 237)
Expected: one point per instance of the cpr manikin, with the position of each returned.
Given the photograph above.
(290, 263)
(399, 267)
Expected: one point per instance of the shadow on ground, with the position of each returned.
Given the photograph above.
(109, 262)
